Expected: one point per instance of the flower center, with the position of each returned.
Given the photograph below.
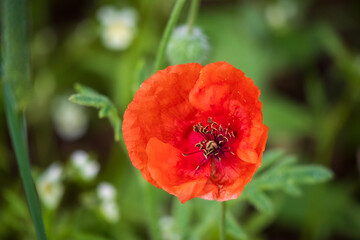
(215, 138)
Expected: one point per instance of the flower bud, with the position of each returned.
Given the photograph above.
(187, 47)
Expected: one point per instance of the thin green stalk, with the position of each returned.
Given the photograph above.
(223, 221)
(192, 14)
(167, 33)
(15, 76)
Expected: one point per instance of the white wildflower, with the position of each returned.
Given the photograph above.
(84, 166)
(90, 170)
(106, 191)
(108, 207)
(118, 27)
(79, 158)
(50, 187)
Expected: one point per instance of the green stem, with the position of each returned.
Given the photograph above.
(192, 14)
(167, 33)
(223, 221)
(15, 76)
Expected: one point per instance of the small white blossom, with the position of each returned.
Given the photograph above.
(108, 207)
(79, 158)
(50, 187)
(53, 173)
(106, 191)
(84, 166)
(91, 170)
(118, 27)
(110, 211)
(70, 119)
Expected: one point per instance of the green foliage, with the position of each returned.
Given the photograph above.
(182, 216)
(285, 117)
(281, 172)
(323, 210)
(88, 97)
(233, 228)
(15, 212)
(308, 74)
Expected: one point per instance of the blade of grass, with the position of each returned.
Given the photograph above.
(15, 76)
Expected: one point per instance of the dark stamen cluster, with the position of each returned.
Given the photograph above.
(215, 139)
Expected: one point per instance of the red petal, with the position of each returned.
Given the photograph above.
(219, 83)
(251, 147)
(159, 108)
(163, 165)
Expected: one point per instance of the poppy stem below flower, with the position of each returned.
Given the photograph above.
(160, 56)
(223, 221)
(192, 14)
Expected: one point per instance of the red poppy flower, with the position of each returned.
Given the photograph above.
(196, 131)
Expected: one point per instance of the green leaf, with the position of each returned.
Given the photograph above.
(308, 174)
(261, 201)
(85, 90)
(281, 172)
(291, 189)
(233, 228)
(269, 158)
(89, 97)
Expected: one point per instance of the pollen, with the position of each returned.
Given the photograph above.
(215, 139)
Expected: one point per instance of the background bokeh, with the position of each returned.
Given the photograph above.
(303, 55)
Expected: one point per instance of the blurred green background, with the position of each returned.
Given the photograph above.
(303, 55)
